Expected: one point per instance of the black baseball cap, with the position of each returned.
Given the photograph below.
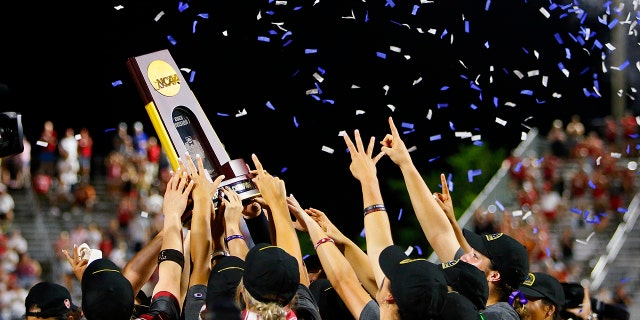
(271, 274)
(106, 293)
(459, 307)
(330, 304)
(467, 280)
(507, 254)
(52, 299)
(418, 286)
(221, 288)
(544, 286)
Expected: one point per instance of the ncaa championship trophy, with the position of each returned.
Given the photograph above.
(182, 125)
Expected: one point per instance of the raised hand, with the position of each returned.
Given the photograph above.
(363, 163)
(394, 147)
(177, 193)
(444, 199)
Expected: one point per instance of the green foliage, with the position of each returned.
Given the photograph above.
(407, 231)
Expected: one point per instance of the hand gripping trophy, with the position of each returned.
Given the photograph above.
(182, 125)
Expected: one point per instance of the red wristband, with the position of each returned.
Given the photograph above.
(321, 241)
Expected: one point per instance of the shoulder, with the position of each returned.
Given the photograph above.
(500, 311)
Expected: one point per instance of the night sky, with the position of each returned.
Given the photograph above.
(306, 70)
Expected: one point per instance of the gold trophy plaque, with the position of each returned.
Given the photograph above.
(182, 125)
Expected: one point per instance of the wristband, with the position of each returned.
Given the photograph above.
(321, 241)
(171, 255)
(374, 208)
(233, 236)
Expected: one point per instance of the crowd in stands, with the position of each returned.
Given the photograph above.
(243, 260)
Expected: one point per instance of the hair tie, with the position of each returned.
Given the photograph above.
(518, 294)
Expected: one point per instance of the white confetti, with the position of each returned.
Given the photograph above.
(42, 143)
(391, 107)
(395, 49)
(523, 136)
(241, 113)
(386, 89)
(516, 213)
(408, 251)
(526, 215)
(501, 122)
(417, 81)
(352, 16)
(463, 134)
(476, 137)
(158, 16)
(533, 73)
(429, 114)
(545, 81)
(359, 112)
(187, 70)
(327, 149)
(414, 148)
(509, 104)
(119, 7)
(144, 214)
(544, 12)
(518, 74)
(318, 77)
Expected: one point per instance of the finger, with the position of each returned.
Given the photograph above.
(218, 181)
(394, 130)
(378, 157)
(191, 167)
(356, 136)
(257, 163)
(350, 146)
(370, 146)
(445, 185)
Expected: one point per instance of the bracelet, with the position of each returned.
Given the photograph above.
(171, 255)
(593, 316)
(321, 241)
(233, 236)
(374, 208)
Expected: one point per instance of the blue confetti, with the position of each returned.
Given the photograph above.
(182, 6)
(390, 3)
(284, 169)
(473, 106)
(295, 121)
(318, 87)
(286, 43)
(171, 40)
(558, 38)
(329, 101)
(222, 114)
(273, 32)
(495, 101)
(538, 101)
(286, 34)
(535, 230)
(109, 129)
(264, 39)
(613, 23)
(518, 167)
(466, 26)
(473, 173)
(500, 206)
(418, 249)
(381, 55)
(487, 5)
(203, 15)
(450, 182)
(310, 51)
(442, 105)
(435, 137)
(316, 97)
(444, 33)
(478, 143)
(193, 27)
(624, 65)
(567, 53)
(527, 92)
(592, 185)
(400, 214)
(548, 252)
(192, 76)
(628, 149)
(433, 159)
(414, 10)
(270, 106)
(321, 70)
(116, 83)
(444, 88)
(406, 125)
(486, 44)
(576, 210)
(451, 126)
(362, 233)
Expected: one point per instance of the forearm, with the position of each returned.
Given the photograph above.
(140, 268)
(237, 246)
(200, 244)
(432, 219)
(359, 262)
(259, 228)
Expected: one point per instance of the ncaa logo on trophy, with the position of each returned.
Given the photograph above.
(181, 123)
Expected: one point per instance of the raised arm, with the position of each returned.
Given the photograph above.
(234, 239)
(338, 270)
(274, 193)
(357, 258)
(376, 220)
(432, 219)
